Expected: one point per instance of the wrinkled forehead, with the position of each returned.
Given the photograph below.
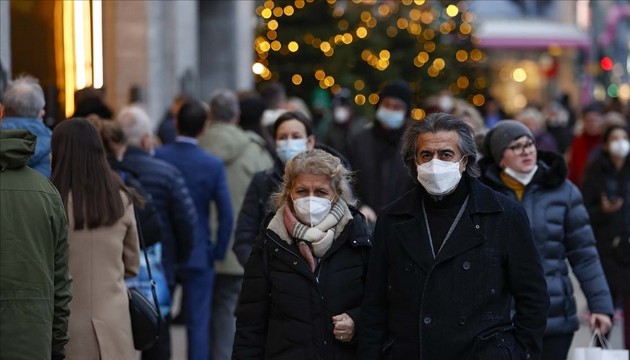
(437, 141)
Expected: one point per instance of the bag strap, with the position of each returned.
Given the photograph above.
(602, 340)
(146, 259)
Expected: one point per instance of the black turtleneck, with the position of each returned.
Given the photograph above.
(441, 213)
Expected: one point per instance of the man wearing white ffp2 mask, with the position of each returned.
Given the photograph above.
(451, 229)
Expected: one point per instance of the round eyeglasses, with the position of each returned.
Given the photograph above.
(520, 149)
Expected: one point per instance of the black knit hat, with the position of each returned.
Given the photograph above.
(500, 137)
(399, 90)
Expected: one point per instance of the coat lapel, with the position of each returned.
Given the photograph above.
(465, 237)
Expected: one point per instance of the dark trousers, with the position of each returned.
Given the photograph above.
(162, 348)
(556, 347)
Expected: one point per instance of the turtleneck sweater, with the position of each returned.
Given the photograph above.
(441, 213)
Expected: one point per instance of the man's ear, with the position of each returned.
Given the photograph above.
(42, 112)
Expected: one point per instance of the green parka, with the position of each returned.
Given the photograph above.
(35, 283)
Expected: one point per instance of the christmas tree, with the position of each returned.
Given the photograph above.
(361, 45)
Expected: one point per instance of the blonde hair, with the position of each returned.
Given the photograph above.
(315, 162)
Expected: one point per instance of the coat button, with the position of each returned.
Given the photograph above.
(477, 227)
(276, 249)
(408, 267)
(492, 291)
(466, 265)
(354, 241)
(295, 263)
(427, 320)
(325, 343)
(462, 320)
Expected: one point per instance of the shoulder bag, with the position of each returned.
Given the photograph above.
(145, 316)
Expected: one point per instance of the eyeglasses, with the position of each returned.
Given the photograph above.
(519, 149)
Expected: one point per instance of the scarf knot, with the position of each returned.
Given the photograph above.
(318, 239)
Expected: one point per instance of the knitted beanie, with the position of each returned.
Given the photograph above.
(500, 137)
(399, 90)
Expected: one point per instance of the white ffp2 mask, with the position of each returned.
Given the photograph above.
(311, 210)
(439, 177)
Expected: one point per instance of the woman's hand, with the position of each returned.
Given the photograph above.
(344, 327)
(601, 322)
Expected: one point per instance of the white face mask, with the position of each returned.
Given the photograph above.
(391, 119)
(619, 148)
(287, 149)
(522, 177)
(341, 114)
(439, 177)
(311, 210)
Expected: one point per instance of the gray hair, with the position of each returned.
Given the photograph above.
(315, 162)
(223, 106)
(135, 122)
(435, 123)
(24, 97)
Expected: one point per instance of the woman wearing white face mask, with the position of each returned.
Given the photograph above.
(304, 279)
(606, 190)
(560, 225)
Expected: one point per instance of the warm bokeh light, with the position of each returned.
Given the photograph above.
(519, 75)
(418, 114)
(361, 32)
(452, 10)
(258, 68)
(359, 85)
(479, 100)
(293, 46)
(359, 99)
(320, 75)
(296, 79)
(272, 25)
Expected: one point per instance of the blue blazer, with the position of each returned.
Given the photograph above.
(205, 178)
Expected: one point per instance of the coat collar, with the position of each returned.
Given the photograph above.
(413, 233)
(482, 200)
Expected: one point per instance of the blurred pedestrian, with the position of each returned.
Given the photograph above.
(606, 190)
(205, 177)
(346, 123)
(381, 176)
(535, 122)
(560, 224)
(24, 109)
(166, 131)
(168, 191)
(35, 282)
(293, 134)
(103, 238)
(589, 138)
(305, 277)
(244, 153)
(449, 258)
(150, 224)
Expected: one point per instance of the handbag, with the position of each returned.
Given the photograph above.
(596, 353)
(146, 318)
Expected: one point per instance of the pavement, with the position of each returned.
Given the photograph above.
(581, 338)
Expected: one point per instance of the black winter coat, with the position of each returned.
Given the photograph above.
(562, 232)
(381, 175)
(600, 178)
(458, 305)
(285, 310)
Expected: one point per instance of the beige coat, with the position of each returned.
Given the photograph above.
(100, 260)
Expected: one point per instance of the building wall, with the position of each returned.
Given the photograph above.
(5, 37)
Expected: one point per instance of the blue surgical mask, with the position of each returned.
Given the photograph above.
(287, 149)
(391, 119)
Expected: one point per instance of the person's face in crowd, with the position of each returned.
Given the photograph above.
(393, 104)
(312, 185)
(593, 123)
(617, 143)
(442, 145)
(292, 130)
(520, 155)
